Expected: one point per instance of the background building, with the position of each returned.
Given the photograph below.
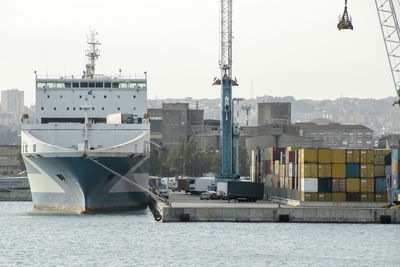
(336, 135)
(10, 160)
(12, 101)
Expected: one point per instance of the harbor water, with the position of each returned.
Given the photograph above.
(31, 237)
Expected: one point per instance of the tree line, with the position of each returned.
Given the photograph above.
(187, 160)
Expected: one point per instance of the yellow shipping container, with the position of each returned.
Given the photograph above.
(309, 196)
(353, 156)
(324, 155)
(339, 197)
(338, 170)
(379, 156)
(367, 197)
(276, 165)
(338, 155)
(366, 156)
(324, 196)
(379, 170)
(353, 185)
(367, 170)
(308, 155)
(381, 197)
(309, 170)
(367, 185)
(324, 170)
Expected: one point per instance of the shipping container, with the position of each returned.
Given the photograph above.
(379, 170)
(324, 185)
(234, 190)
(381, 197)
(338, 155)
(379, 156)
(339, 185)
(273, 153)
(367, 197)
(324, 170)
(353, 197)
(395, 167)
(276, 182)
(395, 154)
(367, 156)
(380, 185)
(367, 185)
(353, 156)
(338, 197)
(367, 170)
(276, 168)
(352, 170)
(388, 159)
(291, 157)
(309, 185)
(353, 185)
(308, 155)
(395, 181)
(324, 196)
(338, 170)
(282, 182)
(309, 196)
(282, 170)
(308, 170)
(388, 170)
(324, 155)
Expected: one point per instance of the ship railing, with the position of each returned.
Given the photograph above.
(94, 77)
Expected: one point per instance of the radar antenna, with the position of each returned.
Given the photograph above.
(92, 53)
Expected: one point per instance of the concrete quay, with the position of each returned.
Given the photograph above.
(186, 208)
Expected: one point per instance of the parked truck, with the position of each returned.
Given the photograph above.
(240, 191)
(200, 184)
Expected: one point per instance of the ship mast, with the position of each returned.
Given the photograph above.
(92, 53)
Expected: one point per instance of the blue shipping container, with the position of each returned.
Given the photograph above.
(395, 181)
(353, 170)
(395, 154)
(396, 196)
(380, 185)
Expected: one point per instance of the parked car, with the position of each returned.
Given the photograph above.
(205, 195)
(164, 193)
(213, 194)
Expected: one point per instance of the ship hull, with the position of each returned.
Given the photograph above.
(77, 184)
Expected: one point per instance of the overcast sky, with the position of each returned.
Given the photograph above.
(287, 47)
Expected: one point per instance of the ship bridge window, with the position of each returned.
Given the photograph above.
(115, 85)
(107, 85)
(99, 85)
(67, 85)
(51, 85)
(91, 85)
(132, 85)
(84, 85)
(142, 85)
(41, 85)
(75, 85)
(60, 85)
(123, 85)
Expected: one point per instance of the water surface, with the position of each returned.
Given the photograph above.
(31, 237)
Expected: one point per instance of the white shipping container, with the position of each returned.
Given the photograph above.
(222, 188)
(309, 185)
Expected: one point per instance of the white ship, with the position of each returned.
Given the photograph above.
(87, 133)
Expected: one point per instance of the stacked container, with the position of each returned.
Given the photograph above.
(336, 175)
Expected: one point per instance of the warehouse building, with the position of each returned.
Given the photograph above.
(10, 159)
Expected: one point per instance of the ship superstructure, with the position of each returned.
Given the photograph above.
(83, 128)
